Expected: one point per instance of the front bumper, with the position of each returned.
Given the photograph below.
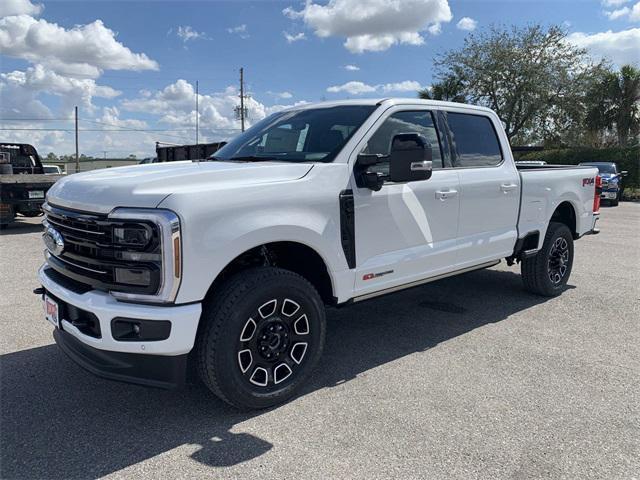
(609, 194)
(151, 370)
(135, 361)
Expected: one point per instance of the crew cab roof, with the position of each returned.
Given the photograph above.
(388, 102)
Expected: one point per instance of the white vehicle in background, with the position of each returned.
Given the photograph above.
(52, 170)
(226, 265)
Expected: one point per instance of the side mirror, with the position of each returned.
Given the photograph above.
(366, 178)
(410, 159)
(624, 173)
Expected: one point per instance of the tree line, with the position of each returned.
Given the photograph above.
(546, 90)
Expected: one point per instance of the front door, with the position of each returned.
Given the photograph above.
(405, 231)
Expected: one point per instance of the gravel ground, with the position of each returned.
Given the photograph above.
(469, 377)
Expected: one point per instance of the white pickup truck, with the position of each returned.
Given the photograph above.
(225, 266)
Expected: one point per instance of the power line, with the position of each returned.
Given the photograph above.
(101, 129)
(36, 119)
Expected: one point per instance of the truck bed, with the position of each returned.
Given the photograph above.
(544, 187)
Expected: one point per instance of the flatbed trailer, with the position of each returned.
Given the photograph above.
(23, 184)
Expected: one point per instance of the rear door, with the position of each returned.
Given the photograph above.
(489, 188)
(405, 231)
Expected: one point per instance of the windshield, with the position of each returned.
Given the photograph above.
(315, 134)
(603, 167)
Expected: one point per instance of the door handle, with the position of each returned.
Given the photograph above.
(507, 187)
(444, 194)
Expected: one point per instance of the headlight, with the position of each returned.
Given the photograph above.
(134, 229)
(132, 235)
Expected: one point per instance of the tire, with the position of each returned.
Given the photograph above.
(613, 203)
(261, 336)
(548, 271)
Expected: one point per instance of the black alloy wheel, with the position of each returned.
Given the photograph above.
(558, 262)
(261, 336)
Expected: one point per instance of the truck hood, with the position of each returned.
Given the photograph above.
(146, 186)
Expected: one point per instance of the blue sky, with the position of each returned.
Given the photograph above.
(135, 71)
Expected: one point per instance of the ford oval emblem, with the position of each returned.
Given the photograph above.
(53, 240)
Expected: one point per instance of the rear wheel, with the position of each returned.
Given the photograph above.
(262, 335)
(548, 271)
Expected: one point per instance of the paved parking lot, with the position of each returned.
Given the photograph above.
(469, 377)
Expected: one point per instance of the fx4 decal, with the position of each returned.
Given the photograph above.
(588, 181)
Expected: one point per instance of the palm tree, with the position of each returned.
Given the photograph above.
(615, 104)
(626, 95)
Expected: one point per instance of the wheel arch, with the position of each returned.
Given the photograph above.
(565, 213)
(295, 256)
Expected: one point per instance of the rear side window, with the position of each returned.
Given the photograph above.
(475, 140)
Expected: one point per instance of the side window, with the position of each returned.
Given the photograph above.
(475, 140)
(404, 122)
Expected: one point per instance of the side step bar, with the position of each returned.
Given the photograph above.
(367, 296)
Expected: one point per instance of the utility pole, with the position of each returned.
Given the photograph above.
(241, 111)
(77, 156)
(197, 113)
(242, 99)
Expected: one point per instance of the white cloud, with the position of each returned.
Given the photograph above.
(613, 3)
(277, 108)
(619, 47)
(240, 30)
(294, 37)
(372, 25)
(283, 95)
(406, 86)
(634, 16)
(353, 88)
(84, 49)
(175, 106)
(435, 29)
(615, 14)
(358, 88)
(187, 33)
(25, 86)
(351, 68)
(111, 117)
(468, 24)
(19, 7)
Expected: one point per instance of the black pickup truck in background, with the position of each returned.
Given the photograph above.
(23, 183)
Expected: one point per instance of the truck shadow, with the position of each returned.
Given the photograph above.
(59, 421)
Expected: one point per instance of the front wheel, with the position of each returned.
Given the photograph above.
(548, 271)
(262, 335)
